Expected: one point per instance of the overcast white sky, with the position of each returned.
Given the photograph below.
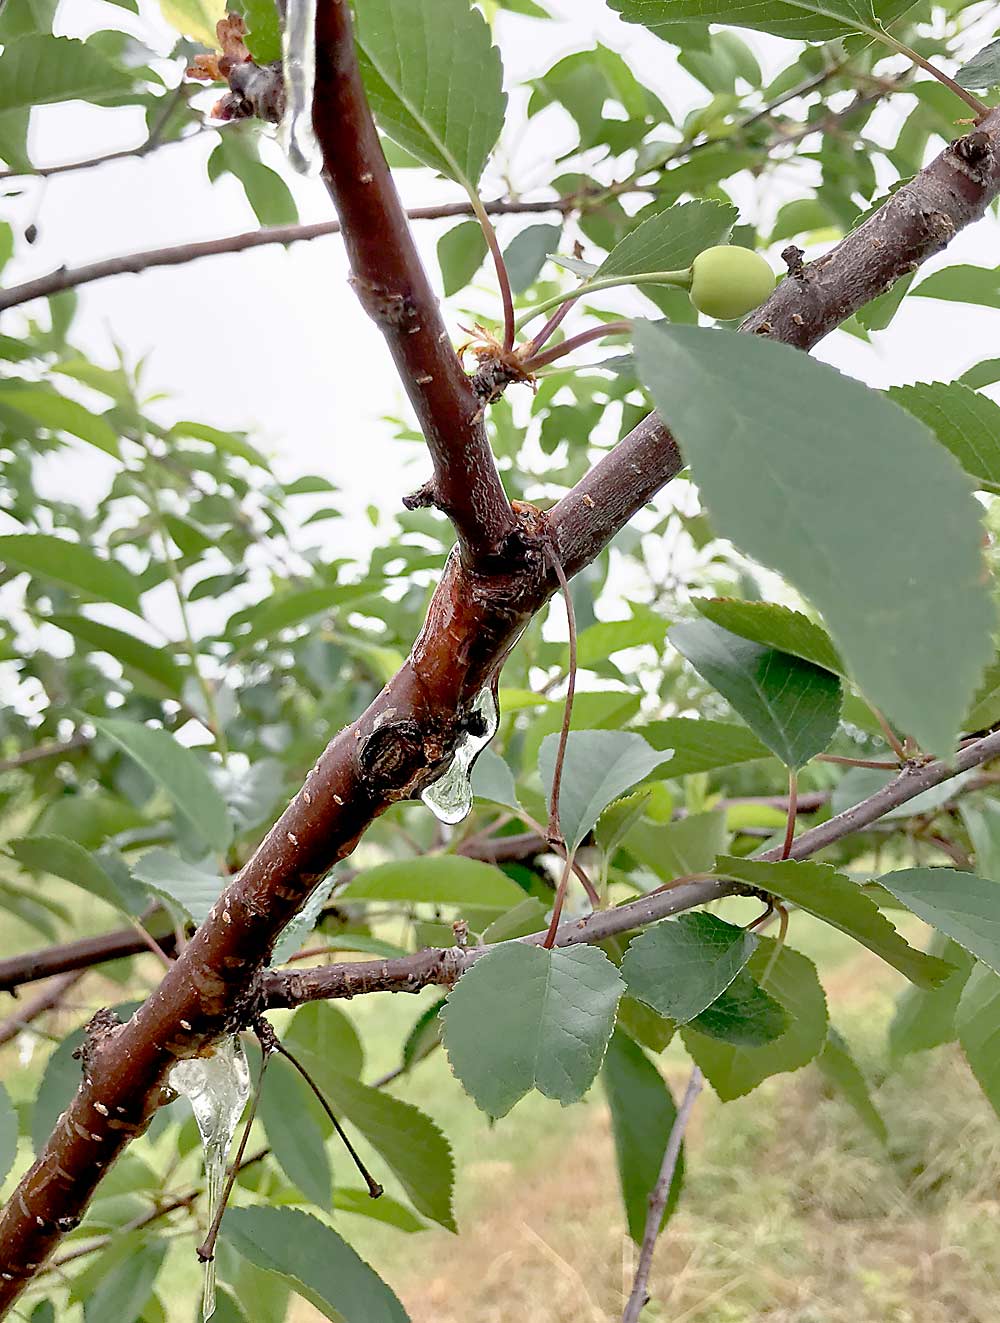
(274, 340)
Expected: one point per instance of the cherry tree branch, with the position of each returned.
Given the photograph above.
(658, 1200)
(179, 254)
(288, 988)
(46, 1000)
(393, 288)
(916, 222)
(57, 749)
(407, 735)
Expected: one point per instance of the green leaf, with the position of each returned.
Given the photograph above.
(644, 1025)
(925, 1017)
(263, 30)
(285, 609)
(406, 1139)
(681, 848)
(46, 408)
(597, 642)
(670, 240)
(523, 1017)
(791, 979)
(313, 1258)
(69, 860)
(642, 1117)
(492, 779)
(8, 1134)
(790, 704)
(608, 710)
(460, 255)
(228, 442)
(600, 766)
(986, 373)
(195, 889)
(960, 905)
(320, 1029)
(383, 1209)
(71, 565)
(983, 71)
(966, 423)
(527, 252)
(298, 928)
(680, 966)
(296, 1126)
(124, 1292)
(878, 313)
(59, 1083)
(799, 20)
(434, 81)
(978, 1023)
(744, 1015)
(437, 880)
(982, 822)
(702, 746)
(178, 771)
(736, 404)
(155, 664)
(840, 1068)
(773, 626)
(985, 709)
(39, 70)
(963, 284)
(820, 890)
(267, 193)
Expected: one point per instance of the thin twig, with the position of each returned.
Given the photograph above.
(576, 342)
(658, 1200)
(857, 762)
(374, 1189)
(47, 1000)
(549, 940)
(892, 739)
(503, 279)
(554, 828)
(55, 750)
(179, 254)
(149, 941)
(793, 808)
(549, 328)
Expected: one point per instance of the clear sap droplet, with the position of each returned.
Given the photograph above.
(449, 798)
(299, 58)
(217, 1088)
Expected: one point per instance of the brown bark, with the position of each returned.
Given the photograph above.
(390, 281)
(408, 733)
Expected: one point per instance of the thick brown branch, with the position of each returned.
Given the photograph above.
(84, 953)
(392, 285)
(919, 220)
(403, 741)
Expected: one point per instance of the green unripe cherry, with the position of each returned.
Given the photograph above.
(728, 281)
